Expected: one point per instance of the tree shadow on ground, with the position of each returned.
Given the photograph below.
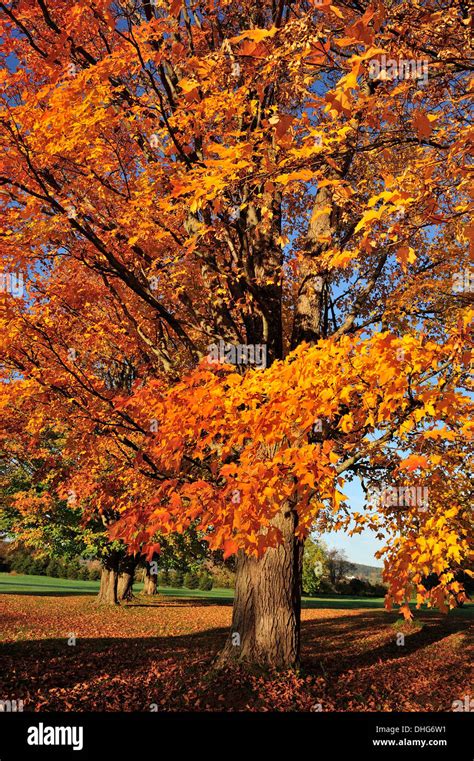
(182, 602)
(337, 641)
(324, 637)
(49, 674)
(167, 664)
(140, 601)
(345, 603)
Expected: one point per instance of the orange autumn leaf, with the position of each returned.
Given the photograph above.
(230, 548)
(422, 124)
(414, 462)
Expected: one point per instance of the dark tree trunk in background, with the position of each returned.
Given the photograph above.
(109, 581)
(311, 305)
(126, 577)
(150, 582)
(265, 627)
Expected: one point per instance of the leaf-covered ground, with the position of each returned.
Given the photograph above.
(161, 653)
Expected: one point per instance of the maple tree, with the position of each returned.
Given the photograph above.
(36, 515)
(186, 174)
(34, 518)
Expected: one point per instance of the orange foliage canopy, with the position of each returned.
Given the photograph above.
(174, 175)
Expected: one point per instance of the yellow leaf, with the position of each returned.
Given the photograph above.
(302, 174)
(255, 34)
(406, 255)
(187, 85)
(368, 216)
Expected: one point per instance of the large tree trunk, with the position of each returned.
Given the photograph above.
(265, 629)
(109, 581)
(150, 582)
(126, 578)
(267, 605)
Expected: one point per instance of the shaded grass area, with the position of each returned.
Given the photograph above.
(161, 650)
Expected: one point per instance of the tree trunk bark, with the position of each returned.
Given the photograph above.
(311, 307)
(265, 629)
(126, 578)
(267, 604)
(109, 582)
(150, 583)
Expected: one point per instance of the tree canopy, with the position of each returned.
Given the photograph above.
(177, 176)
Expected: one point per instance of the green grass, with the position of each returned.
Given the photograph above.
(23, 584)
(47, 586)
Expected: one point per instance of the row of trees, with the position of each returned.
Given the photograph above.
(176, 176)
(324, 571)
(327, 571)
(189, 580)
(22, 562)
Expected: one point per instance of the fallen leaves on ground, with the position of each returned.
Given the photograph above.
(161, 652)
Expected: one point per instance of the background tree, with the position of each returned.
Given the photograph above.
(314, 565)
(178, 553)
(49, 521)
(338, 566)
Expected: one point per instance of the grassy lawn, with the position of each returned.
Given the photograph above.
(47, 586)
(23, 584)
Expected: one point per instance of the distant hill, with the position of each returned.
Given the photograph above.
(372, 573)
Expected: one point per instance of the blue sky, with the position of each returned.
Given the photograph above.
(360, 548)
